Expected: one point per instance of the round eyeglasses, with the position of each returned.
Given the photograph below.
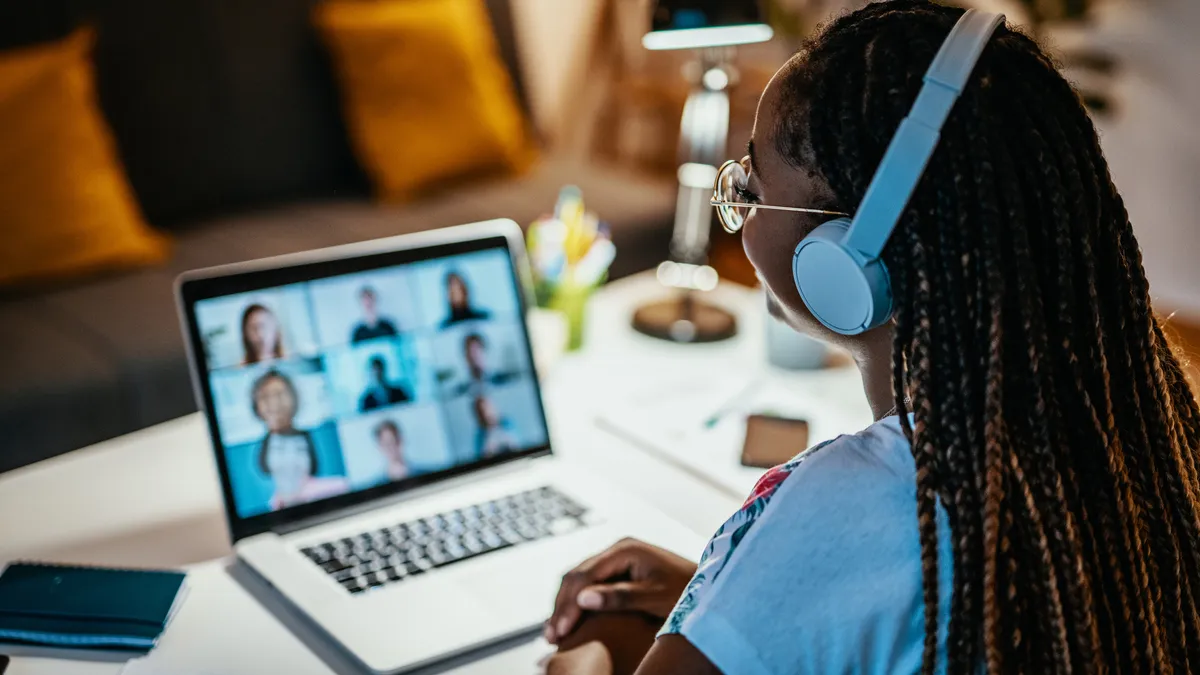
(729, 197)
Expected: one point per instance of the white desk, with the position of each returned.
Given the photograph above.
(152, 498)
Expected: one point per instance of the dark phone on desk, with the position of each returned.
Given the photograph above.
(772, 440)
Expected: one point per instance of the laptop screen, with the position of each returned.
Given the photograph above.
(370, 380)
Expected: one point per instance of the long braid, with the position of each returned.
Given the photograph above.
(925, 452)
(1066, 545)
(1082, 185)
(1051, 420)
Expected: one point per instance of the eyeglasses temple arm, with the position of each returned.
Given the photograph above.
(719, 202)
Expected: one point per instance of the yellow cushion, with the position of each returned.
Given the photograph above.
(426, 96)
(65, 206)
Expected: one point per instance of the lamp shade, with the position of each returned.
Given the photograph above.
(696, 24)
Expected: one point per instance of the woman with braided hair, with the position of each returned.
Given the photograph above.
(1027, 501)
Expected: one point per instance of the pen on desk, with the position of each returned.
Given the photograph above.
(730, 405)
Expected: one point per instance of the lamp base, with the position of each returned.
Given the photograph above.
(684, 319)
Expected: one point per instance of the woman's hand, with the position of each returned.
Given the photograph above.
(612, 643)
(590, 658)
(630, 576)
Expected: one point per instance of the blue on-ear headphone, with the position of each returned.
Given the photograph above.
(837, 267)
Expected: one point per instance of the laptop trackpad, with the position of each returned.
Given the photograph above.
(522, 583)
(423, 621)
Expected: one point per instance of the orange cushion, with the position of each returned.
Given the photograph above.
(426, 96)
(65, 206)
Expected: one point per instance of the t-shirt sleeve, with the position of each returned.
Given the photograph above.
(806, 579)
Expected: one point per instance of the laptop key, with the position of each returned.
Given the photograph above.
(491, 540)
(334, 566)
(473, 544)
(562, 526)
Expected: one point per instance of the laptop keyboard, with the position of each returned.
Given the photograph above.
(381, 557)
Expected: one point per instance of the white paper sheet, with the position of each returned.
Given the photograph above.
(671, 418)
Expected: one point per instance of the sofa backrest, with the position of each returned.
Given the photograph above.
(217, 104)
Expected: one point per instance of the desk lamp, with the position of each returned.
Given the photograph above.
(711, 28)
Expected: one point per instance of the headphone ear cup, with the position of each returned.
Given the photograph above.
(846, 293)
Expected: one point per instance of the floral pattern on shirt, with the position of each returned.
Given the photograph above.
(722, 545)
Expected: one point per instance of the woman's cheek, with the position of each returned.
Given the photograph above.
(769, 244)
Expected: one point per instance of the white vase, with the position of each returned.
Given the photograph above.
(790, 349)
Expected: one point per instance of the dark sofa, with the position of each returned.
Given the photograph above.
(227, 120)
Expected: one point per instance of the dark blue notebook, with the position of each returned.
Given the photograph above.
(86, 607)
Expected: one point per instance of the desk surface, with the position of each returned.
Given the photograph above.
(152, 498)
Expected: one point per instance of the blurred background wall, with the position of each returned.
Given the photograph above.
(1138, 62)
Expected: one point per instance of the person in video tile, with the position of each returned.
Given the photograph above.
(380, 392)
(286, 454)
(458, 297)
(495, 433)
(372, 324)
(262, 337)
(479, 371)
(390, 442)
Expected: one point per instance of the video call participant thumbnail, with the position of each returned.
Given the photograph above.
(458, 299)
(286, 454)
(380, 392)
(479, 371)
(390, 442)
(262, 336)
(495, 434)
(372, 324)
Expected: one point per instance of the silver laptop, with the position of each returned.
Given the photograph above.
(382, 444)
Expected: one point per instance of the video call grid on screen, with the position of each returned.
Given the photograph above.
(326, 387)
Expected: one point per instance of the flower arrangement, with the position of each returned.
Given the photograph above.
(570, 252)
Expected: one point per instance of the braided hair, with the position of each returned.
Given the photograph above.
(1050, 417)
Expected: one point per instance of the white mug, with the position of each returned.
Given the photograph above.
(791, 349)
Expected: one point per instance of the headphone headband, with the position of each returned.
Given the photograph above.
(917, 136)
